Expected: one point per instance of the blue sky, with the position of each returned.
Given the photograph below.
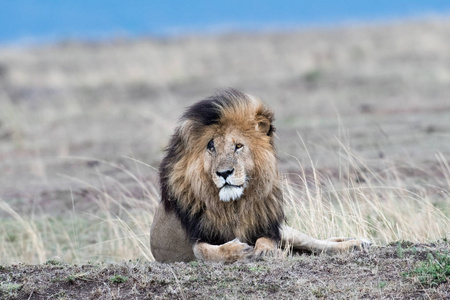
(46, 20)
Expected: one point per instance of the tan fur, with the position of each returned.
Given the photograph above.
(195, 183)
(229, 252)
(265, 246)
(168, 239)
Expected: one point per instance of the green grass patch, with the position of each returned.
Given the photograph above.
(433, 271)
(118, 279)
(73, 278)
(258, 268)
(9, 289)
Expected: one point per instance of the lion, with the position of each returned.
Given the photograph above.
(221, 191)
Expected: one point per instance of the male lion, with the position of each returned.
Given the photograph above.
(221, 191)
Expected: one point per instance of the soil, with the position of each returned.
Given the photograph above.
(379, 273)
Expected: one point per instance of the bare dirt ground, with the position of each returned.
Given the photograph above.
(382, 91)
(381, 273)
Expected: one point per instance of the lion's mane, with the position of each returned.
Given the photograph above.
(188, 190)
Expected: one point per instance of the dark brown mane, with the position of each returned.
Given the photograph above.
(193, 198)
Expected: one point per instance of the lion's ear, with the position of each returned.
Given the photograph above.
(264, 124)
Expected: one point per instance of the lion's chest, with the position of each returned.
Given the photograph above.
(234, 220)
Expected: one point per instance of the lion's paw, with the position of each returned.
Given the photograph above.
(236, 250)
(265, 247)
(362, 244)
(345, 244)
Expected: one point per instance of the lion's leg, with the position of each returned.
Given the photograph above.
(339, 239)
(229, 252)
(299, 241)
(168, 240)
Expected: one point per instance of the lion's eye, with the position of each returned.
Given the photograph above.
(210, 146)
(239, 146)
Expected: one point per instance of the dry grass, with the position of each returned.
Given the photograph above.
(382, 90)
(378, 206)
(115, 228)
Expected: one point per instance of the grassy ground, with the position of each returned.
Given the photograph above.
(363, 122)
(385, 272)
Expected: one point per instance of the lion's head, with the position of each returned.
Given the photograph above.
(229, 157)
(221, 168)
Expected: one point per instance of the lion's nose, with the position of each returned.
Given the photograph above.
(225, 173)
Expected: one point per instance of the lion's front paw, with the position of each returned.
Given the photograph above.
(236, 250)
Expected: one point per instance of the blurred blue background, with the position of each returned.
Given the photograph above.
(30, 21)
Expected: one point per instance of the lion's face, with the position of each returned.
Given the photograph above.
(229, 161)
(222, 152)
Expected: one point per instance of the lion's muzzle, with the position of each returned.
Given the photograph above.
(230, 187)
